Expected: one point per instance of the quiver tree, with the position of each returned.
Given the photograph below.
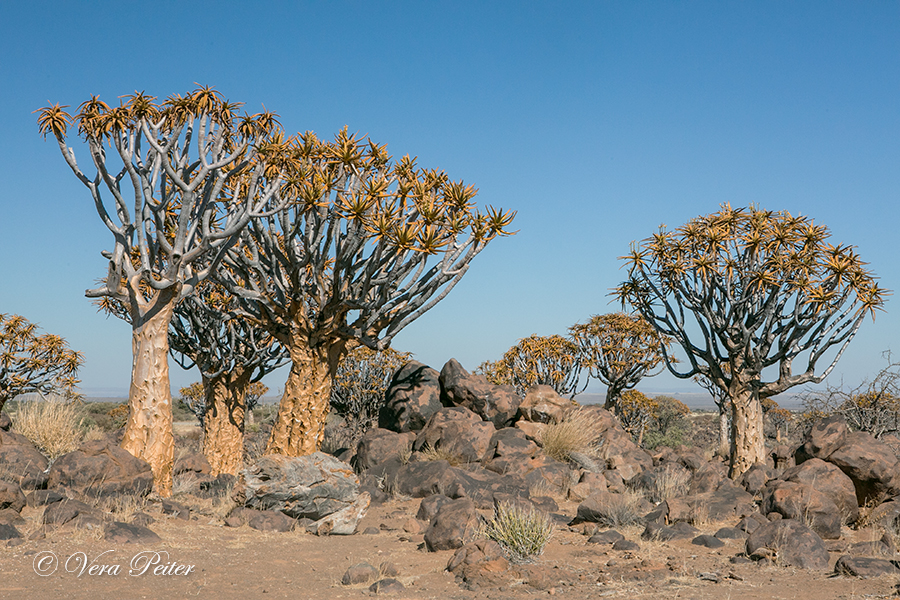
(618, 349)
(753, 290)
(360, 384)
(231, 354)
(365, 247)
(184, 178)
(30, 362)
(538, 360)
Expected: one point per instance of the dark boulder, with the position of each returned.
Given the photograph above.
(452, 526)
(498, 404)
(458, 432)
(793, 544)
(413, 395)
(100, 468)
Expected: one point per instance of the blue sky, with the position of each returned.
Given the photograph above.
(596, 121)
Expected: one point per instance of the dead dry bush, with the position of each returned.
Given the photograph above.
(53, 426)
(620, 510)
(576, 433)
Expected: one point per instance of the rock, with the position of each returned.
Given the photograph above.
(532, 431)
(217, 487)
(68, 511)
(5, 422)
(473, 553)
(426, 478)
(754, 479)
(195, 462)
(886, 514)
(458, 432)
(730, 533)
(752, 522)
(708, 478)
(864, 568)
(805, 503)
(726, 502)
(123, 533)
(626, 546)
(360, 573)
(829, 480)
(20, 459)
(344, 521)
(271, 520)
(429, 506)
(874, 548)
(454, 522)
(870, 464)
(142, 519)
(11, 496)
(510, 451)
(708, 541)
(379, 445)
(9, 532)
(412, 397)
(179, 511)
(667, 480)
(543, 405)
(312, 486)
(485, 487)
(590, 483)
(100, 468)
(498, 404)
(43, 498)
(610, 536)
(387, 586)
(826, 436)
(794, 544)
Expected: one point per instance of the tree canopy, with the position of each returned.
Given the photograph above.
(33, 362)
(751, 289)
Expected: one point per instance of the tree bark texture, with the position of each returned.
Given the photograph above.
(300, 426)
(724, 444)
(747, 437)
(148, 431)
(223, 423)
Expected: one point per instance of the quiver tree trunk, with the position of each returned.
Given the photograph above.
(747, 437)
(300, 425)
(148, 431)
(724, 445)
(223, 422)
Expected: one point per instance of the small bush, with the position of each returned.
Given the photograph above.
(521, 532)
(671, 483)
(54, 427)
(427, 453)
(622, 509)
(576, 433)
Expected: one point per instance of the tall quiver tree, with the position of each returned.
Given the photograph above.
(185, 177)
(757, 291)
(231, 353)
(365, 248)
(618, 349)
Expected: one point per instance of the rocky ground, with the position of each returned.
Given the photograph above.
(402, 512)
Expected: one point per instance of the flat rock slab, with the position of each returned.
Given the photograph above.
(124, 533)
(865, 568)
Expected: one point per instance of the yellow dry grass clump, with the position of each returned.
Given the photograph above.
(575, 433)
(54, 427)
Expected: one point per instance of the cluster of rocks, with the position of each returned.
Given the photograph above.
(463, 446)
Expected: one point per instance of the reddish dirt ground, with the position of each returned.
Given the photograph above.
(244, 563)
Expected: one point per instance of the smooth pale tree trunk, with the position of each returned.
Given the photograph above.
(300, 426)
(748, 440)
(724, 444)
(223, 423)
(148, 431)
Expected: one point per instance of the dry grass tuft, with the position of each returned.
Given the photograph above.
(671, 483)
(429, 453)
(54, 427)
(575, 434)
(521, 532)
(623, 509)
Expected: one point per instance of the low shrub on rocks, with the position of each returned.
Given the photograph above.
(575, 434)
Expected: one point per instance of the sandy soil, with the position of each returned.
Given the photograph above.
(244, 563)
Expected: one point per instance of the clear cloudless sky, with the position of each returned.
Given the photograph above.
(596, 121)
